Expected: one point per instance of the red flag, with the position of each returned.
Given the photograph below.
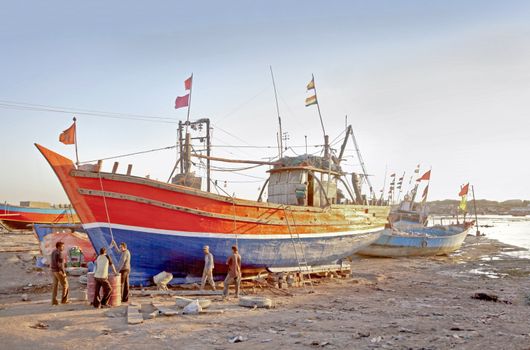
(68, 136)
(426, 176)
(464, 190)
(187, 83)
(182, 101)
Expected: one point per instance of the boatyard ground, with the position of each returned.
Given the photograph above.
(419, 303)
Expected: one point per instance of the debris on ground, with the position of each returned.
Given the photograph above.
(40, 325)
(182, 302)
(255, 302)
(192, 308)
(489, 297)
(237, 339)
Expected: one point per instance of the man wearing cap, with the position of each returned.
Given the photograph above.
(207, 273)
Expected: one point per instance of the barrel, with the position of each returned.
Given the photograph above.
(115, 283)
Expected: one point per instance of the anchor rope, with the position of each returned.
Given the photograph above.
(106, 209)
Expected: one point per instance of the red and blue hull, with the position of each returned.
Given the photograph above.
(16, 217)
(165, 226)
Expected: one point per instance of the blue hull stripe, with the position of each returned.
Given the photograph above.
(181, 252)
(14, 209)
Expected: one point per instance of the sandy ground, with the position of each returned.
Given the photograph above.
(420, 303)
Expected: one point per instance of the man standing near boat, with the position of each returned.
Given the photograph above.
(57, 264)
(207, 273)
(101, 276)
(124, 268)
(234, 272)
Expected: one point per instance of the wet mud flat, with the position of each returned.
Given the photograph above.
(419, 303)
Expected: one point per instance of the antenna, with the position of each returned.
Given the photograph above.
(280, 146)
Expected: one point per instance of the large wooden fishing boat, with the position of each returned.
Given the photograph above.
(21, 217)
(166, 225)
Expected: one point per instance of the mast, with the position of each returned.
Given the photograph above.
(363, 166)
(343, 147)
(280, 144)
(475, 207)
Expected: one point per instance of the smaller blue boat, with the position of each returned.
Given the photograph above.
(419, 241)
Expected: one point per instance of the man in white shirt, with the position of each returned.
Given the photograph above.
(101, 275)
(207, 273)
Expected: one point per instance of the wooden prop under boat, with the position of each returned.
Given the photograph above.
(420, 241)
(165, 225)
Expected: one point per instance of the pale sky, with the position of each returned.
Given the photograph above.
(442, 83)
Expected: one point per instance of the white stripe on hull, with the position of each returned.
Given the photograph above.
(231, 235)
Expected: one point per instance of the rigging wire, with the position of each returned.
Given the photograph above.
(23, 106)
(129, 154)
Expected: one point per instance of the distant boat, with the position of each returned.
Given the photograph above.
(408, 215)
(14, 217)
(419, 241)
(72, 235)
(522, 211)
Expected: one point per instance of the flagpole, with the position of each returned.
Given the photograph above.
(75, 142)
(189, 103)
(475, 207)
(318, 105)
(278, 112)
(401, 186)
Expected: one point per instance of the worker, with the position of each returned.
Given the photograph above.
(207, 272)
(124, 268)
(101, 276)
(57, 265)
(234, 272)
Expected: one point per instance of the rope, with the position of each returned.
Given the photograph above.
(106, 208)
(129, 154)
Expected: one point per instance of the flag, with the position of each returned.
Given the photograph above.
(464, 190)
(393, 175)
(426, 176)
(68, 136)
(311, 85)
(187, 83)
(312, 100)
(182, 101)
(425, 192)
(463, 203)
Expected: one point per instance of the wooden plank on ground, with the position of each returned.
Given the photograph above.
(133, 315)
(164, 310)
(175, 292)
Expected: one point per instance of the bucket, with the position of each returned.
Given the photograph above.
(115, 283)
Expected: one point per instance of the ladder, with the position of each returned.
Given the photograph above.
(299, 254)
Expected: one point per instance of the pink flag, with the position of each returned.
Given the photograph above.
(182, 101)
(187, 83)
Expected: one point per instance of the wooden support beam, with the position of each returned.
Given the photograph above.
(258, 162)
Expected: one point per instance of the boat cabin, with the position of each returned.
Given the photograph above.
(305, 180)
